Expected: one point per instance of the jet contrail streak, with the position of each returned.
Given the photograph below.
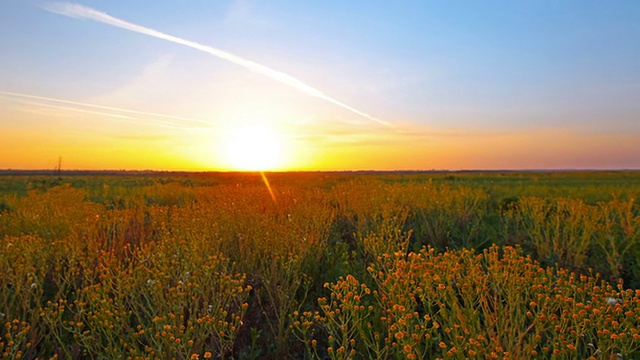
(47, 105)
(77, 103)
(83, 12)
(67, 108)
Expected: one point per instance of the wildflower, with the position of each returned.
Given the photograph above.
(613, 301)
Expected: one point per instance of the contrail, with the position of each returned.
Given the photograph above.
(83, 12)
(68, 108)
(182, 120)
(100, 113)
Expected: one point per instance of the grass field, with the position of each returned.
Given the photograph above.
(341, 265)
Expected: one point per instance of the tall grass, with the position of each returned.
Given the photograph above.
(460, 304)
(340, 266)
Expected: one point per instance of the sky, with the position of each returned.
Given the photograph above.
(323, 85)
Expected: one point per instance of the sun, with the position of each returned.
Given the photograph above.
(253, 146)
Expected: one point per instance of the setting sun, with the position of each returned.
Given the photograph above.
(288, 179)
(253, 146)
(279, 86)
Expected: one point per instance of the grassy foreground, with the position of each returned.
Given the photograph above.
(340, 266)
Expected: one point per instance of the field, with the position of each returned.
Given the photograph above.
(340, 265)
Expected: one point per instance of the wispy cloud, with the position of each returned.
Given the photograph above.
(36, 107)
(147, 86)
(108, 111)
(83, 12)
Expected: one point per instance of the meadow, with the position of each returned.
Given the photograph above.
(341, 265)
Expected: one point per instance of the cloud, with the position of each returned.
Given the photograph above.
(239, 10)
(83, 12)
(113, 112)
(147, 86)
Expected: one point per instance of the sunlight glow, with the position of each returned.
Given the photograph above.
(253, 146)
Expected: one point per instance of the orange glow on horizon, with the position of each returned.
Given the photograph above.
(324, 147)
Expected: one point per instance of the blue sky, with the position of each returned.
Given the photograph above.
(460, 74)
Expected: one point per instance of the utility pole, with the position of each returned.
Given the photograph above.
(59, 169)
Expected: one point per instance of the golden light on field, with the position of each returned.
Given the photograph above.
(253, 146)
